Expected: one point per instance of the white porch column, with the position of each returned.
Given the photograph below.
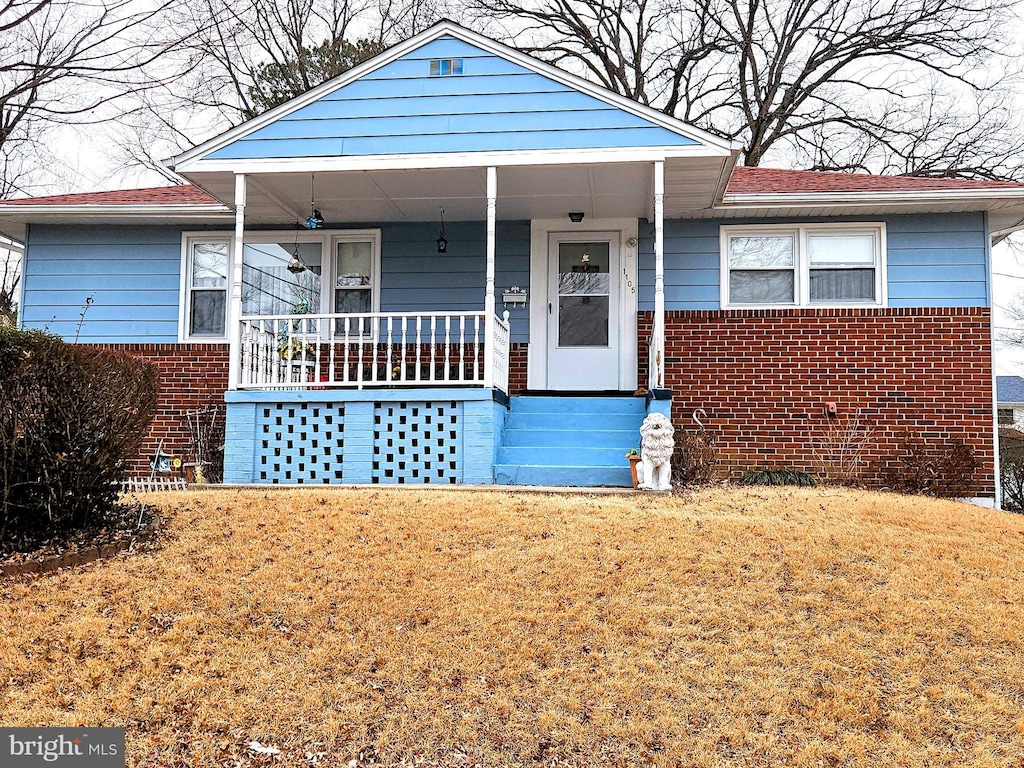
(658, 347)
(492, 194)
(235, 308)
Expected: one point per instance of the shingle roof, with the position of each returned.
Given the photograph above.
(747, 181)
(1009, 389)
(182, 194)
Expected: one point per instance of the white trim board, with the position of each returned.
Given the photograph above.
(540, 235)
(426, 161)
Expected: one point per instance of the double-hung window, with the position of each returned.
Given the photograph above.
(356, 280)
(340, 273)
(803, 265)
(206, 284)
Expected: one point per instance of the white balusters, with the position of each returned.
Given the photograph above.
(368, 349)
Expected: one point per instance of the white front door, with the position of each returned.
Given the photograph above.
(583, 311)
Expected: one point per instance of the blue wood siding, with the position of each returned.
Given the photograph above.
(132, 273)
(415, 277)
(934, 260)
(494, 105)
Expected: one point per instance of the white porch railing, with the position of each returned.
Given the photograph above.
(502, 338)
(655, 363)
(375, 349)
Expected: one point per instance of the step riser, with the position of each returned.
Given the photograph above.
(578, 477)
(548, 438)
(574, 422)
(561, 457)
(635, 406)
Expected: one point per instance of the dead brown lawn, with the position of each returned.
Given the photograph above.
(729, 627)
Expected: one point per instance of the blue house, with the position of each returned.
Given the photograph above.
(458, 264)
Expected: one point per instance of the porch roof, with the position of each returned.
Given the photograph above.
(524, 192)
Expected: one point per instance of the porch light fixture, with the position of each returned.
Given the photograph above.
(315, 219)
(442, 241)
(576, 216)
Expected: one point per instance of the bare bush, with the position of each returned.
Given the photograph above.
(839, 448)
(695, 458)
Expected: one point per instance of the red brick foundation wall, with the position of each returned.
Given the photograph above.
(763, 377)
(517, 368)
(192, 376)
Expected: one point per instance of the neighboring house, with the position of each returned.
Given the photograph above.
(1010, 401)
(387, 345)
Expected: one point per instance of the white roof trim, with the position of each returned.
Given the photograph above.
(114, 209)
(412, 162)
(901, 197)
(187, 160)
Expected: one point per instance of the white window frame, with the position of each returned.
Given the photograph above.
(358, 236)
(185, 293)
(802, 266)
(328, 239)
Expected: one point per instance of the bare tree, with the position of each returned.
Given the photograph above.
(243, 57)
(60, 60)
(844, 84)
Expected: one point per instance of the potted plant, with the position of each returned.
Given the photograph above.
(634, 460)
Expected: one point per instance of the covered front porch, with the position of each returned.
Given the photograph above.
(369, 299)
(415, 385)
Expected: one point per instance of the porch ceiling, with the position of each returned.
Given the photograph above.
(599, 190)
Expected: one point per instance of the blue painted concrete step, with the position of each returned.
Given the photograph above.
(636, 406)
(573, 441)
(621, 439)
(577, 477)
(547, 421)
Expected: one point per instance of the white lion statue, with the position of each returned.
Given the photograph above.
(656, 446)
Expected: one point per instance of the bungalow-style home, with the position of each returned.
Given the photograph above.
(458, 264)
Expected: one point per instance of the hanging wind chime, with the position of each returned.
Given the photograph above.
(296, 265)
(315, 219)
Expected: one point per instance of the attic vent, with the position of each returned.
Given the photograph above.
(445, 67)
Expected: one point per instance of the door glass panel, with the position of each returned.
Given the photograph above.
(583, 321)
(584, 300)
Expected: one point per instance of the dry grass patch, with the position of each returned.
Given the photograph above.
(756, 627)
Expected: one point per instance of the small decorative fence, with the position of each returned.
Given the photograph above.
(372, 350)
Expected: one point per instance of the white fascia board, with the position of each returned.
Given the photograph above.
(858, 199)
(19, 212)
(451, 160)
(187, 161)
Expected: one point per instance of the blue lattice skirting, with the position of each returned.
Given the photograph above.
(370, 436)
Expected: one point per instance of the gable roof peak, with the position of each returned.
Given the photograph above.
(715, 144)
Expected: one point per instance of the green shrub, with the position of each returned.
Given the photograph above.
(70, 416)
(944, 468)
(777, 477)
